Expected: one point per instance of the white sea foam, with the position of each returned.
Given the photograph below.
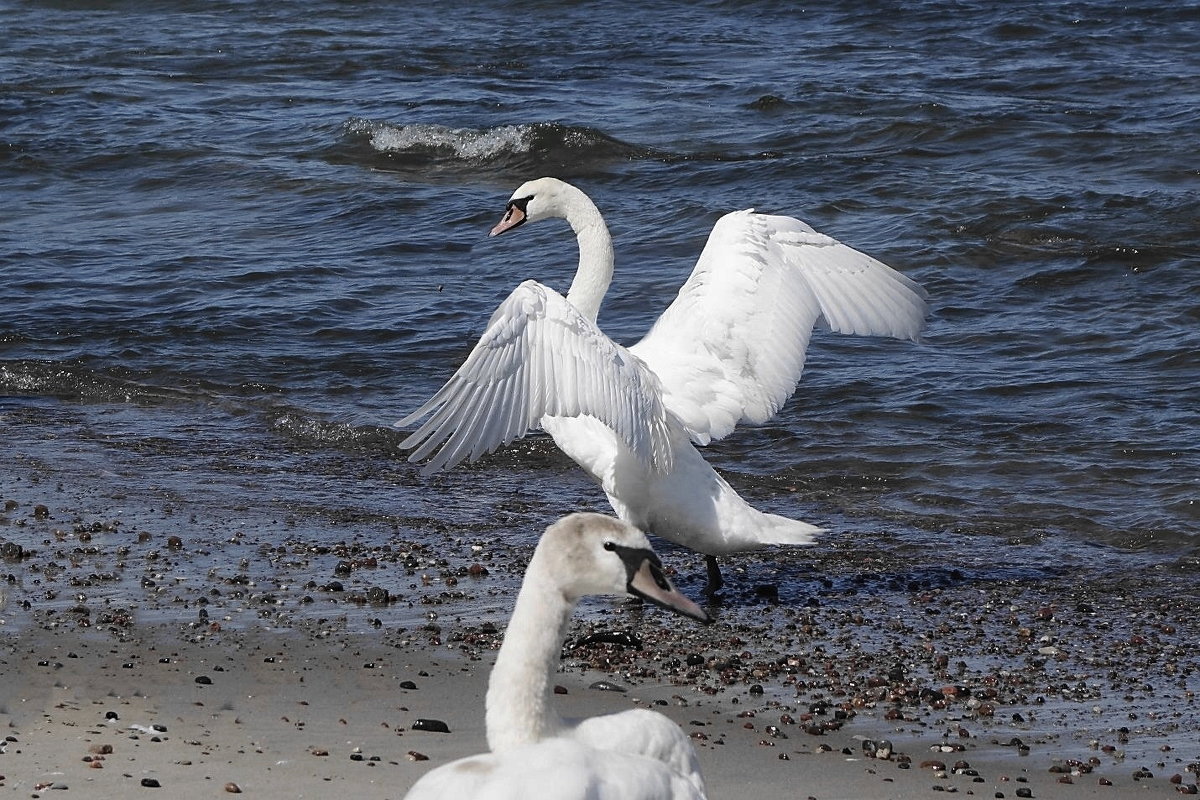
(466, 143)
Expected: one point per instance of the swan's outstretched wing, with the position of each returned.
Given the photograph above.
(731, 346)
(540, 357)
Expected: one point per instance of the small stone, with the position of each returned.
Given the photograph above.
(204, 680)
(151, 783)
(607, 686)
(101, 749)
(431, 725)
(407, 685)
(233, 788)
(413, 755)
(111, 715)
(319, 751)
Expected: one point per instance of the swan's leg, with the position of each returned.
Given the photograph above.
(715, 582)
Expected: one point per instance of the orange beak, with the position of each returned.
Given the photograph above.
(513, 216)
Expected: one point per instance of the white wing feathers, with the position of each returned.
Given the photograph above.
(539, 357)
(731, 346)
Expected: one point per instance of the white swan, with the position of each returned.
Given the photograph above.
(730, 348)
(632, 755)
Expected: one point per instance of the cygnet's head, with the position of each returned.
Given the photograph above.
(597, 554)
(535, 200)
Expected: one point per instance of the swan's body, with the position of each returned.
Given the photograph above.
(636, 754)
(730, 348)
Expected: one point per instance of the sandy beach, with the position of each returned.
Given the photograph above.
(128, 668)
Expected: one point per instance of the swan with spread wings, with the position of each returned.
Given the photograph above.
(729, 349)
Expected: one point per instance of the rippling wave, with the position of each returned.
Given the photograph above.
(546, 145)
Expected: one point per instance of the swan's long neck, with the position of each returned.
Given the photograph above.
(520, 690)
(595, 253)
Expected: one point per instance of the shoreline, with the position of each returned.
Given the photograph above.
(288, 713)
(304, 691)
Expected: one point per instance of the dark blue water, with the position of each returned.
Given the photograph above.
(238, 240)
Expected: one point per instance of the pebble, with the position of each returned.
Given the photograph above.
(413, 755)
(151, 783)
(233, 788)
(620, 638)
(607, 686)
(431, 725)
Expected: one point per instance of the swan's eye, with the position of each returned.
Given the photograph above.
(609, 546)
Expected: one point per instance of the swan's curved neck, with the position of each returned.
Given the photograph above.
(595, 253)
(519, 690)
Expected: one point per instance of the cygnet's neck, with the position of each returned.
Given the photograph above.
(595, 252)
(519, 691)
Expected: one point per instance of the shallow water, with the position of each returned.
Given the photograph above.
(241, 240)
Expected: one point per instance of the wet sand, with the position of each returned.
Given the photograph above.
(131, 664)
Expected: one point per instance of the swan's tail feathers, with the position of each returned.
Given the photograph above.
(781, 530)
